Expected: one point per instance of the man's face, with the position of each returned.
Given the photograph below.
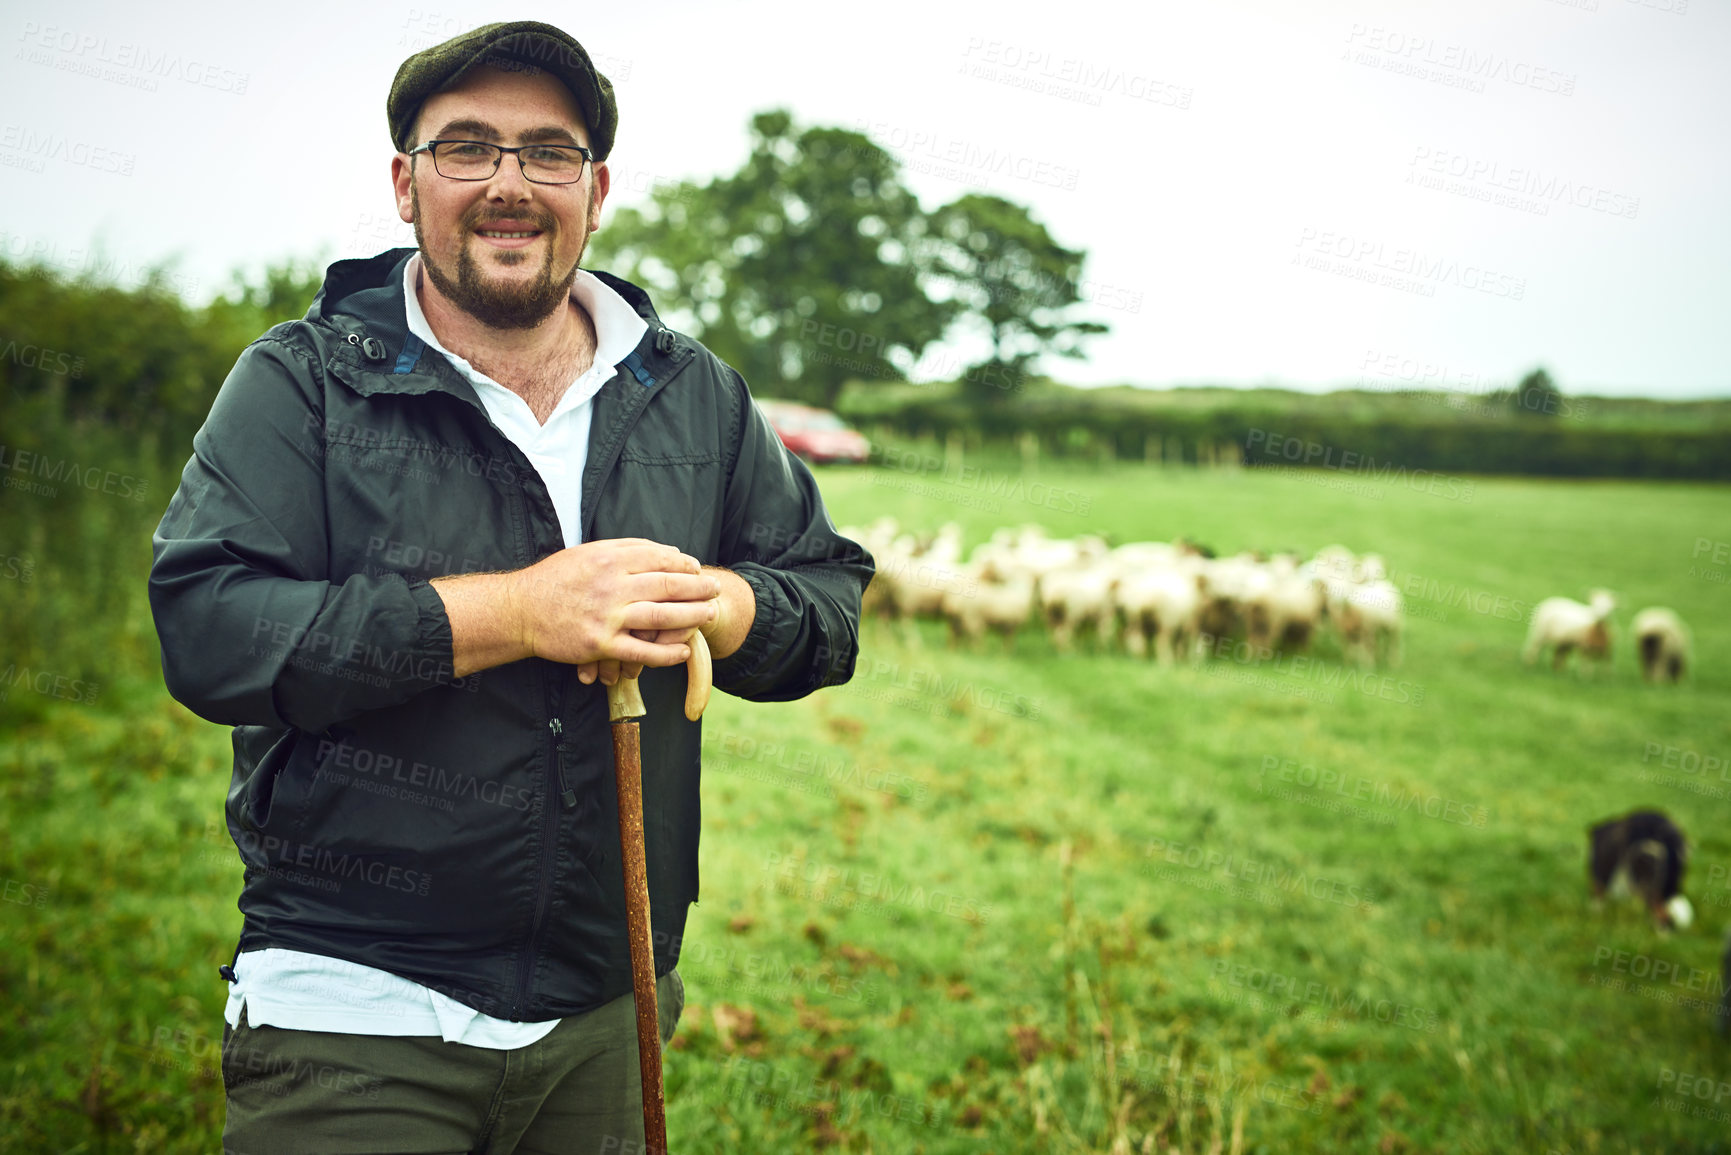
(504, 281)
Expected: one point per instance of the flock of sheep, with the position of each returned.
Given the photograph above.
(1171, 599)
(1175, 599)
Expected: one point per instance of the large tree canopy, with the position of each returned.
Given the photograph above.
(1005, 269)
(799, 270)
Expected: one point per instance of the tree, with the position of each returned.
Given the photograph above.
(1004, 267)
(799, 269)
(1537, 395)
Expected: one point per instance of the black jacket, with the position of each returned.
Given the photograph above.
(462, 833)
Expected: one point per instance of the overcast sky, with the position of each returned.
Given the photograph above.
(1389, 193)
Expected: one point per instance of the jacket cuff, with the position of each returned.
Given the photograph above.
(433, 629)
(756, 646)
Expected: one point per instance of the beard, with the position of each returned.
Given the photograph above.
(500, 306)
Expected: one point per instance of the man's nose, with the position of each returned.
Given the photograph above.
(508, 182)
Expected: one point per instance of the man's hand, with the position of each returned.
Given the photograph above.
(603, 606)
(736, 609)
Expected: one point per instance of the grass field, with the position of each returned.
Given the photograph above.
(1023, 902)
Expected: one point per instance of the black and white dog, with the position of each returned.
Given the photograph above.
(1644, 852)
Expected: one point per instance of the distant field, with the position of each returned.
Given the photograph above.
(1027, 903)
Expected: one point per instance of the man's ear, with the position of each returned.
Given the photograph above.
(402, 175)
(603, 181)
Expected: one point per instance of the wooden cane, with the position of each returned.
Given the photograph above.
(624, 707)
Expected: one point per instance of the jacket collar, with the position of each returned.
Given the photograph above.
(362, 301)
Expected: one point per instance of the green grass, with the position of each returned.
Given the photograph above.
(931, 919)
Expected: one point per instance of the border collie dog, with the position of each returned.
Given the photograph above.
(1641, 852)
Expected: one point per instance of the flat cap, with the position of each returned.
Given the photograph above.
(521, 41)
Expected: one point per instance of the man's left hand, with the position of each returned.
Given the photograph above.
(736, 609)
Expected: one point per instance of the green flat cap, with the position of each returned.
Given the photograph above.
(522, 41)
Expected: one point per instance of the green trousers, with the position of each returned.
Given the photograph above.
(576, 1090)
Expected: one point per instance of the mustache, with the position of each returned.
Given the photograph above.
(478, 219)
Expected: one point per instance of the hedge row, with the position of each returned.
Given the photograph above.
(1264, 437)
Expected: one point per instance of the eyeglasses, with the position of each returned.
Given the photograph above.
(478, 160)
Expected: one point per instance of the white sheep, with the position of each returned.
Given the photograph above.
(1162, 605)
(1369, 617)
(1662, 644)
(1076, 599)
(1283, 605)
(1567, 625)
(982, 601)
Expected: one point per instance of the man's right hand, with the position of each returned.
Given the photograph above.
(591, 606)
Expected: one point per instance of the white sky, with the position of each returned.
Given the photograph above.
(134, 133)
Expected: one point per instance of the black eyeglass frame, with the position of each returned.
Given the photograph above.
(588, 158)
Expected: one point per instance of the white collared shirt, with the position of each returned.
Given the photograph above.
(297, 990)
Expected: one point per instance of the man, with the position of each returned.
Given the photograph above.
(419, 531)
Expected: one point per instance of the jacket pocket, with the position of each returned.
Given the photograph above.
(670, 499)
(268, 785)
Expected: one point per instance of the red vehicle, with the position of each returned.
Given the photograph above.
(814, 434)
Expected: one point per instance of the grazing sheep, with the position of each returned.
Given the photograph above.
(1163, 606)
(1228, 585)
(1284, 606)
(1369, 618)
(1076, 599)
(982, 601)
(1662, 643)
(1568, 625)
